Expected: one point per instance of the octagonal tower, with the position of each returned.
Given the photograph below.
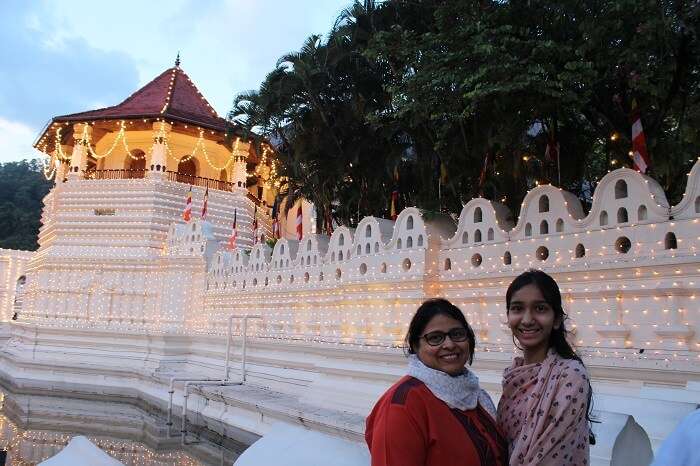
(123, 174)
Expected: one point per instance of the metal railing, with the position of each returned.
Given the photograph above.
(224, 381)
(115, 174)
(200, 181)
(130, 174)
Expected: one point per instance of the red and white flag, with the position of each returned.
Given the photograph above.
(204, 204)
(255, 226)
(187, 213)
(300, 229)
(551, 153)
(639, 155)
(234, 232)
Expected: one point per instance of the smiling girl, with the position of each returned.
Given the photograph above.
(544, 409)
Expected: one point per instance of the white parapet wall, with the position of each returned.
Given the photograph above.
(335, 309)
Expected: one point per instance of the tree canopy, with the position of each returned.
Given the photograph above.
(461, 98)
(22, 189)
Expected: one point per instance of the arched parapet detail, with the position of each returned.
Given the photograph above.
(312, 249)
(195, 238)
(547, 210)
(285, 254)
(340, 245)
(409, 230)
(371, 235)
(625, 190)
(689, 206)
(477, 217)
(239, 261)
(632, 445)
(219, 270)
(260, 257)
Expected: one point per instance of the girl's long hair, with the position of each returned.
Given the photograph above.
(557, 339)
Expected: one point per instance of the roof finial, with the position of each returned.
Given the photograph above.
(177, 59)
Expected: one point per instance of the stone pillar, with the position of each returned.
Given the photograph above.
(78, 159)
(159, 156)
(240, 158)
(61, 172)
(265, 177)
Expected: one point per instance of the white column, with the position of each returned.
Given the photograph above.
(239, 173)
(159, 156)
(78, 159)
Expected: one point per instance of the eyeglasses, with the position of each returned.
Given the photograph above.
(457, 335)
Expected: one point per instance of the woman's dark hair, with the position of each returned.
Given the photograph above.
(425, 314)
(557, 339)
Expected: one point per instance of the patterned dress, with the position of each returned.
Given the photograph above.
(542, 412)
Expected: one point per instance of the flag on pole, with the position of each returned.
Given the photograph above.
(255, 225)
(482, 177)
(329, 222)
(551, 153)
(187, 213)
(234, 232)
(300, 230)
(639, 155)
(276, 234)
(393, 209)
(204, 204)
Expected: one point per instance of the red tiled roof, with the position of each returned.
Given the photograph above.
(171, 95)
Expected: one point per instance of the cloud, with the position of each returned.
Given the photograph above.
(69, 56)
(45, 72)
(227, 46)
(16, 141)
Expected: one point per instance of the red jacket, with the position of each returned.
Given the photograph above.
(409, 426)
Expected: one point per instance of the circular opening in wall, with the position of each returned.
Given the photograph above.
(448, 264)
(476, 260)
(406, 264)
(291, 279)
(542, 253)
(306, 277)
(623, 245)
(382, 269)
(338, 274)
(363, 268)
(255, 282)
(279, 279)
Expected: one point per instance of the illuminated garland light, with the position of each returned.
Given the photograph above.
(121, 136)
(49, 169)
(59, 150)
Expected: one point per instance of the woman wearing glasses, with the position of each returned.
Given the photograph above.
(544, 410)
(436, 415)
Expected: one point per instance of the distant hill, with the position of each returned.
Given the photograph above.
(22, 188)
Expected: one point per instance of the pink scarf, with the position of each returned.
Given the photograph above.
(543, 412)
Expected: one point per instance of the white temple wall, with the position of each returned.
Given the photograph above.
(333, 307)
(12, 287)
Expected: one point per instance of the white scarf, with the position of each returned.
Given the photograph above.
(461, 391)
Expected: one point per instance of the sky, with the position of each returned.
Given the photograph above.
(74, 55)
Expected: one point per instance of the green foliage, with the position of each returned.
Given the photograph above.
(22, 189)
(417, 85)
